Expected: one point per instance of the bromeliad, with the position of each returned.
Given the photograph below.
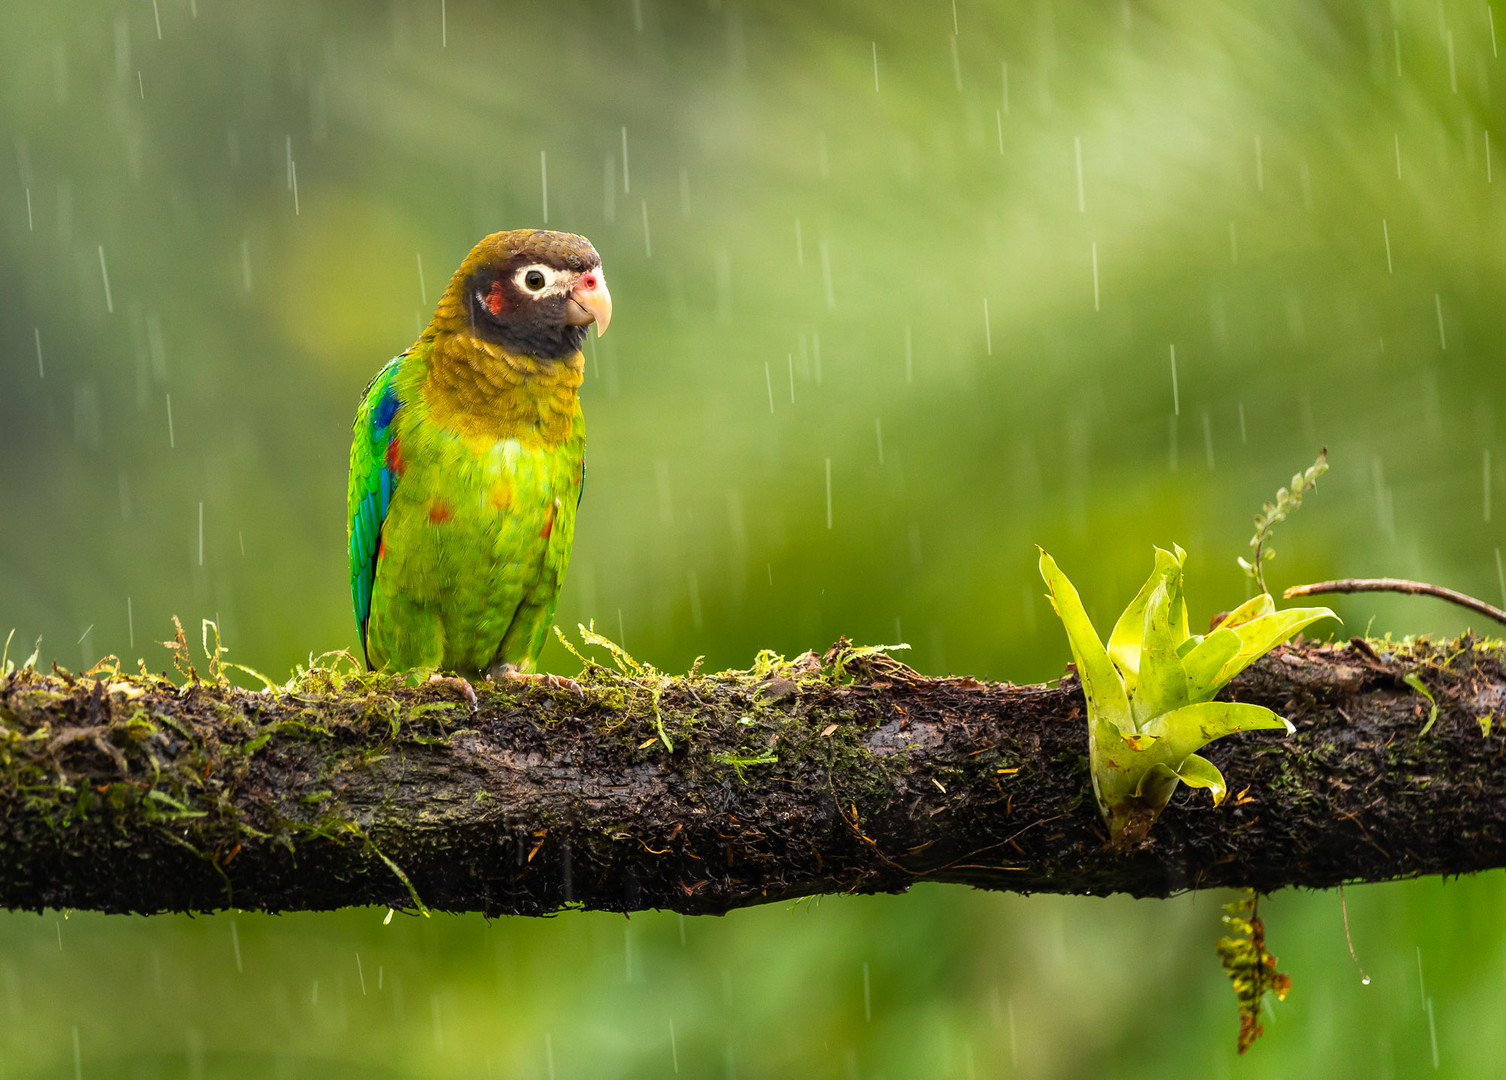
(1150, 692)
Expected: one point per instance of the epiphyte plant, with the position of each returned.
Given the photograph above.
(1150, 691)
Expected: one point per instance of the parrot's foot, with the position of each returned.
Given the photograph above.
(459, 684)
(557, 682)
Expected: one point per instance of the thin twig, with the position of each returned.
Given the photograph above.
(1398, 585)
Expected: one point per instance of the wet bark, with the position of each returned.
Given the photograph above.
(841, 773)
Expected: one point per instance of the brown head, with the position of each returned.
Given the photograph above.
(531, 291)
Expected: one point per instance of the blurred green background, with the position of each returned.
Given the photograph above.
(896, 297)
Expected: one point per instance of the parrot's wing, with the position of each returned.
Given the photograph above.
(372, 481)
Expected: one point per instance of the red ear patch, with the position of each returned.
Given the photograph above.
(494, 301)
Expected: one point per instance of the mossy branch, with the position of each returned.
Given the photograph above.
(847, 772)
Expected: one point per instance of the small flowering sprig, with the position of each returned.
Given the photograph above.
(1288, 502)
(1150, 691)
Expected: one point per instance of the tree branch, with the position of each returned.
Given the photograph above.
(1397, 585)
(843, 773)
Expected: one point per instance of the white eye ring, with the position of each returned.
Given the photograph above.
(524, 273)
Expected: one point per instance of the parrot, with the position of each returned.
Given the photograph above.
(467, 464)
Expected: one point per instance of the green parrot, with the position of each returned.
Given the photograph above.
(469, 459)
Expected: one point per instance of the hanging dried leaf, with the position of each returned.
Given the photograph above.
(1251, 969)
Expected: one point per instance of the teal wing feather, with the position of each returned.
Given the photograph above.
(372, 482)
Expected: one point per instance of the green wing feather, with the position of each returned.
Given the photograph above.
(371, 485)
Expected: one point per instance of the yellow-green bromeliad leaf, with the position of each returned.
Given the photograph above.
(1101, 683)
(1260, 635)
(1182, 732)
(1206, 661)
(1160, 780)
(1162, 685)
(1253, 608)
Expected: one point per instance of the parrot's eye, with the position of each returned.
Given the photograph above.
(538, 278)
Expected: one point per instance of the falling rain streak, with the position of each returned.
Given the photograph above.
(37, 333)
(1386, 235)
(875, 67)
(1432, 1028)
(172, 442)
(988, 335)
(1442, 338)
(104, 273)
(768, 378)
(1176, 397)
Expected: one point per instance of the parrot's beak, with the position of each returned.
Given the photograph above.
(590, 302)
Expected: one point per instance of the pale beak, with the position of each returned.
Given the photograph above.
(590, 302)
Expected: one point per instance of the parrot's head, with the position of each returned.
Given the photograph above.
(531, 291)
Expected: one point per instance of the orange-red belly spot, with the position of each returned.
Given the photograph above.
(395, 456)
(548, 524)
(439, 512)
